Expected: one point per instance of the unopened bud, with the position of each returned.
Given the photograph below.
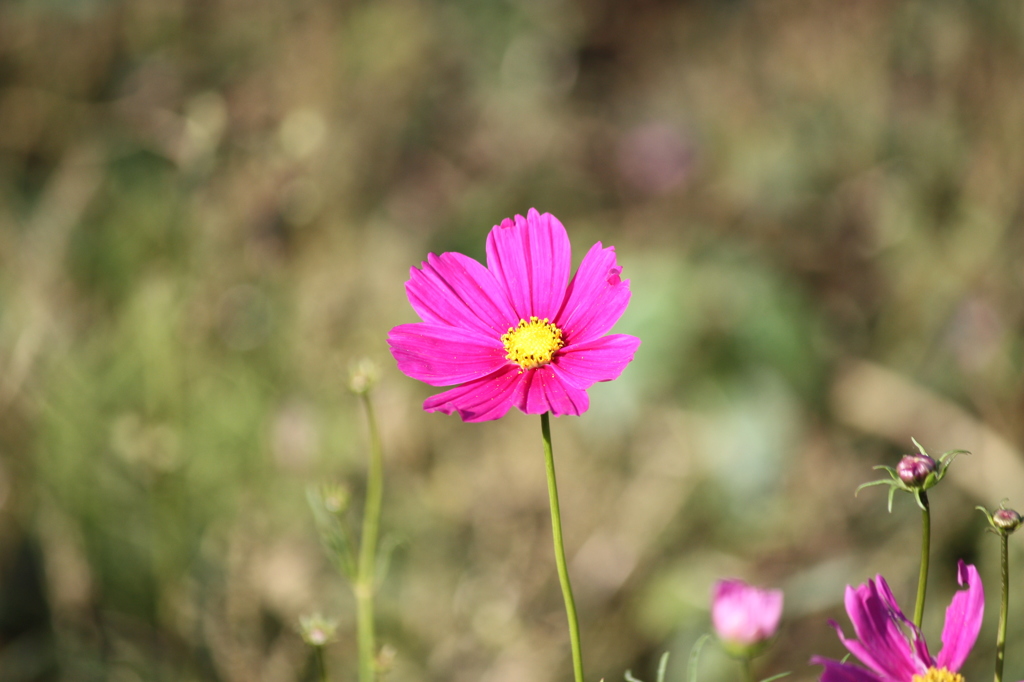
(336, 497)
(744, 617)
(385, 660)
(317, 630)
(363, 376)
(915, 469)
(1006, 519)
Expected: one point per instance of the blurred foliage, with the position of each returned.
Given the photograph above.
(208, 209)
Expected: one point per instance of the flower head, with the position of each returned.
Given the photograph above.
(914, 469)
(915, 473)
(893, 649)
(1003, 521)
(1006, 519)
(316, 630)
(517, 332)
(744, 616)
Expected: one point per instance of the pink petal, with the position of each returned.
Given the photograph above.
(843, 672)
(482, 399)
(456, 290)
(530, 258)
(963, 619)
(917, 642)
(441, 355)
(596, 297)
(881, 644)
(544, 391)
(602, 359)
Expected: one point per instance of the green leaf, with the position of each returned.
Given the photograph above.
(388, 545)
(691, 668)
(662, 667)
(777, 677)
(919, 448)
(333, 535)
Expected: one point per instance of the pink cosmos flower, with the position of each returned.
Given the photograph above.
(516, 332)
(893, 648)
(744, 615)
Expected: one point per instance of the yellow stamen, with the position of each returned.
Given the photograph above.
(939, 675)
(532, 344)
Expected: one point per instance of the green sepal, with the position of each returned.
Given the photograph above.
(871, 483)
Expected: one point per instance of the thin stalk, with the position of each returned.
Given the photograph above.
(926, 541)
(321, 663)
(748, 669)
(563, 571)
(1004, 606)
(364, 586)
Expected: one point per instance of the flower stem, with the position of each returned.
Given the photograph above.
(556, 531)
(364, 586)
(1004, 606)
(321, 663)
(748, 669)
(926, 541)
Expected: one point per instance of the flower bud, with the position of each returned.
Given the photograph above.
(363, 376)
(385, 660)
(1006, 519)
(335, 497)
(915, 469)
(317, 630)
(744, 617)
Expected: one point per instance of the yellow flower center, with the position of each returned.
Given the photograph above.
(939, 675)
(532, 344)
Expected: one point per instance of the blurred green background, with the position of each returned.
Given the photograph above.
(208, 210)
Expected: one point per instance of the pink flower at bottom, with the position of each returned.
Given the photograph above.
(743, 615)
(893, 649)
(517, 332)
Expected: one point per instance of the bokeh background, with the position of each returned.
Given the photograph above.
(208, 210)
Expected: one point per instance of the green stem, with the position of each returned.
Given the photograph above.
(364, 586)
(1004, 607)
(563, 571)
(926, 541)
(748, 669)
(321, 663)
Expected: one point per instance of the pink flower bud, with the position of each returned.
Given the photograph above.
(1006, 519)
(744, 616)
(914, 469)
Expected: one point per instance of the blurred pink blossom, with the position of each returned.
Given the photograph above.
(744, 615)
(654, 158)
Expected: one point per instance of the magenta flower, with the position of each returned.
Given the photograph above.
(743, 615)
(893, 648)
(516, 332)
